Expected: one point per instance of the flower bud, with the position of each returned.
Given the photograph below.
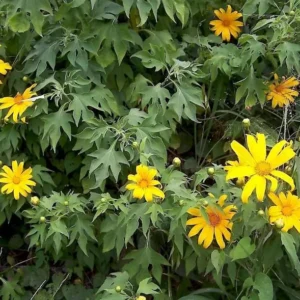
(288, 169)
(42, 219)
(25, 78)
(205, 203)
(66, 203)
(77, 281)
(261, 213)
(211, 171)
(279, 223)
(135, 145)
(35, 200)
(141, 298)
(181, 202)
(103, 200)
(176, 162)
(292, 13)
(118, 289)
(240, 182)
(246, 123)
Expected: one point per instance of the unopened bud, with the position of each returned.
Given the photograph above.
(66, 203)
(25, 78)
(35, 200)
(246, 123)
(181, 202)
(240, 182)
(205, 203)
(176, 162)
(261, 213)
(135, 145)
(42, 219)
(279, 223)
(292, 13)
(211, 171)
(103, 200)
(288, 169)
(118, 289)
(77, 281)
(141, 298)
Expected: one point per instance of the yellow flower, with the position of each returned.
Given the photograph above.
(4, 66)
(287, 209)
(217, 225)
(18, 104)
(227, 24)
(282, 93)
(17, 180)
(144, 184)
(259, 167)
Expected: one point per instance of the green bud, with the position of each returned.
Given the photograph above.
(240, 182)
(135, 145)
(176, 162)
(205, 203)
(181, 202)
(42, 219)
(279, 224)
(35, 200)
(25, 78)
(246, 123)
(292, 13)
(66, 203)
(261, 213)
(288, 169)
(211, 171)
(77, 281)
(103, 200)
(118, 289)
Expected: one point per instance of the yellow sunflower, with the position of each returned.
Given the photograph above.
(227, 24)
(4, 66)
(17, 180)
(217, 225)
(258, 167)
(18, 104)
(282, 93)
(287, 209)
(144, 184)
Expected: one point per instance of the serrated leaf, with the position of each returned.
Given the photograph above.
(290, 54)
(243, 249)
(19, 23)
(252, 6)
(147, 287)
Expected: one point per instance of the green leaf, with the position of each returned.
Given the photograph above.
(262, 23)
(252, 6)
(290, 54)
(169, 8)
(144, 10)
(154, 210)
(54, 123)
(218, 260)
(40, 175)
(185, 101)
(19, 23)
(243, 249)
(10, 290)
(71, 162)
(147, 287)
(264, 285)
(289, 244)
(127, 6)
(182, 11)
(252, 89)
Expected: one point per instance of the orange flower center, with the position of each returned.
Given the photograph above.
(16, 180)
(143, 183)
(18, 98)
(214, 219)
(226, 23)
(263, 168)
(279, 88)
(287, 211)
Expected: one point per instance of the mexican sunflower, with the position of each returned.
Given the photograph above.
(260, 167)
(282, 93)
(4, 66)
(217, 224)
(227, 24)
(287, 209)
(17, 180)
(18, 104)
(144, 184)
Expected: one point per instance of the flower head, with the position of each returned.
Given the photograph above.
(17, 180)
(260, 167)
(144, 184)
(227, 24)
(287, 209)
(217, 224)
(18, 104)
(4, 66)
(282, 93)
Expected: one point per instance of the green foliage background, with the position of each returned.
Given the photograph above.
(146, 71)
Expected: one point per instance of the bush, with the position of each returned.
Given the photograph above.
(149, 149)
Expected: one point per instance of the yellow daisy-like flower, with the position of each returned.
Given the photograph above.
(17, 180)
(144, 184)
(18, 104)
(258, 167)
(287, 209)
(227, 24)
(4, 66)
(218, 224)
(282, 93)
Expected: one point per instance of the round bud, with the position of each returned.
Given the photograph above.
(135, 145)
(279, 223)
(37, 244)
(246, 123)
(118, 289)
(103, 200)
(205, 203)
(77, 281)
(176, 162)
(288, 169)
(35, 200)
(292, 13)
(261, 213)
(1, 163)
(42, 219)
(240, 182)
(211, 171)
(25, 78)
(141, 298)
(66, 203)
(181, 202)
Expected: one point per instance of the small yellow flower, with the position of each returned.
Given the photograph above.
(4, 66)
(258, 167)
(227, 24)
(218, 224)
(144, 184)
(282, 93)
(17, 180)
(287, 209)
(18, 104)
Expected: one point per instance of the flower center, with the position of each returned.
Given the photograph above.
(226, 23)
(16, 180)
(287, 211)
(214, 219)
(18, 99)
(279, 88)
(263, 168)
(143, 183)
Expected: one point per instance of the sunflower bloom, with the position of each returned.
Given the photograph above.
(282, 93)
(287, 209)
(4, 66)
(227, 24)
(260, 167)
(217, 224)
(18, 104)
(17, 180)
(144, 184)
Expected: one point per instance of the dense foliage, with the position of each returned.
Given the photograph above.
(122, 133)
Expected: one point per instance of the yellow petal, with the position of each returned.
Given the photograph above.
(219, 238)
(195, 230)
(274, 183)
(148, 195)
(275, 199)
(138, 193)
(249, 188)
(209, 237)
(194, 212)
(157, 192)
(240, 171)
(284, 177)
(222, 200)
(260, 187)
(131, 186)
(284, 156)
(275, 151)
(194, 221)
(243, 154)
